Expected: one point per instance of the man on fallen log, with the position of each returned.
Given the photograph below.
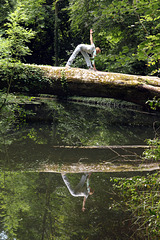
(86, 49)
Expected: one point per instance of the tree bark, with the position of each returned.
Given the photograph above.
(82, 82)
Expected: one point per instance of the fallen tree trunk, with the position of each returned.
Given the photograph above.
(82, 82)
(37, 79)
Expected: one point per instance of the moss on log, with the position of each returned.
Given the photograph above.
(82, 82)
(37, 79)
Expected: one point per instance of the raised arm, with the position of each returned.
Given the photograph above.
(91, 37)
(83, 205)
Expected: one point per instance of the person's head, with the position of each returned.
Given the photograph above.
(91, 191)
(98, 50)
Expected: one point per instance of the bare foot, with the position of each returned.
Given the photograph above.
(67, 66)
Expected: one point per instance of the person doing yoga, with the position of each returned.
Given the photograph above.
(85, 50)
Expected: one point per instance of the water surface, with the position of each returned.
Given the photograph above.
(39, 206)
(49, 135)
(73, 139)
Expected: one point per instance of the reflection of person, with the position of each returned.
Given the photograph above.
(82, 189)
(85, 49)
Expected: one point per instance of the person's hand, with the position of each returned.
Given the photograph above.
(91, 31)
(89, 174)
(95, 69)
(83, 209)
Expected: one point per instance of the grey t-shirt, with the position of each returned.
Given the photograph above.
(88, 48)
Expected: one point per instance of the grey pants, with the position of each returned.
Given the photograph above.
(83, 48)
(79, 190)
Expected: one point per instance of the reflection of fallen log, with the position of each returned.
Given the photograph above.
(123, 159)
(106, 167)
(104, 147)
(129, 161)
(49, 158)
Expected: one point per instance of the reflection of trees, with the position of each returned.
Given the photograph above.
(76, 124)
(72, 124)
(28, 203)
(86, 125)
(38, 206)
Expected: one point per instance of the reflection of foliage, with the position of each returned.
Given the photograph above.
(11, 204)
(141, 196)
(27, 201)
(8, 113)
(39, 206)
(82, 124)
(12, 119)
(85, 125)
(154, 151)
(33, 135)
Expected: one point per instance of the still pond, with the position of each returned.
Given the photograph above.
(62, 149)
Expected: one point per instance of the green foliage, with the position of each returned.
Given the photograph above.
(154, 104)
(24, 78)
(6, 7)
(141, 196)
(81, 14)
(17, 34)
(149, 48)
(127, 34)
(5, 51)
(126, 31)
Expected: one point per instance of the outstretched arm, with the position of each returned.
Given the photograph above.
(91, 40)
(94, 67)
(91, 37)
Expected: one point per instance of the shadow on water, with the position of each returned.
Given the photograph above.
(38, 202)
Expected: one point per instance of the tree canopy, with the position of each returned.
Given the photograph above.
(127, 31)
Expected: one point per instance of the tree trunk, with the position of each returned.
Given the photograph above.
(82, 82)
(56, 34)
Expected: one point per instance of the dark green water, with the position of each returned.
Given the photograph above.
(39, 206)
(33, 144)
(35, 202)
